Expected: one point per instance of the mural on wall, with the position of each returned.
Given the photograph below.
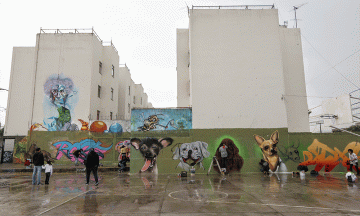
(8, 157)
(321, 155)
(290, 152)
(120, 144)
(270, 152)
(161, 119)
(30, 153)
(150, 149)
(65, 148)
(20, 151)
(227, 154)
(60, 99)
(191, 154)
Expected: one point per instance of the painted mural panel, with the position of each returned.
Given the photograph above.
(66, 149)
(20, 151)
(60, 98)
(161, 119)
(321, 155)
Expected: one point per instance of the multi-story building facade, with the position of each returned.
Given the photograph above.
(237, 68)
(65, 78)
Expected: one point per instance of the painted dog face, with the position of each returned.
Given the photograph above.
(150, 148)
(192, 153)
(269, 149)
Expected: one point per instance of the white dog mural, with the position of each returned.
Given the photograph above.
(191, 154)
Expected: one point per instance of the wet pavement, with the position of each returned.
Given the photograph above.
(124, 194)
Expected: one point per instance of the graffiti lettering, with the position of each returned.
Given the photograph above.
(66, 148)
(321, 155)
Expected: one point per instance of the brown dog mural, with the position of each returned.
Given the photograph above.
(270, 152)
(234, 161)
(31, 152)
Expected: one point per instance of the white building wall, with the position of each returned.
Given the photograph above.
(139, 90)
(19, 107)
(132, 94)
(295, 89)
(183, 79)
(236, 69)
(69, 56)
(110, 58)
(124, 93)
(96, 80)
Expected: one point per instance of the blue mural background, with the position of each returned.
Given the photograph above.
(161, 119)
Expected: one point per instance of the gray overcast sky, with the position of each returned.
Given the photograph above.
(144, 33)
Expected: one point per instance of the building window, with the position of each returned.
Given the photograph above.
(141, 101)
(129, 90)
(128, 108)
(112, 71)
(98, 115)
(100, 67)
(99, 91)
(134, 100)
(110, 115)
(112, 94)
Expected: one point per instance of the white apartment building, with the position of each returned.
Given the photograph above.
(69, 75)
(238, 68)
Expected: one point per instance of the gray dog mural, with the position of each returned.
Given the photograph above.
(191, 154)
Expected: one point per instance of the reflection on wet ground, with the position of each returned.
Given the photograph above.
(244, 194)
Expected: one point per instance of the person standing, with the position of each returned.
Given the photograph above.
(353, 161)
(224, 154)
(77, 155)
(48, 171)
(92, 164)
(38, 160)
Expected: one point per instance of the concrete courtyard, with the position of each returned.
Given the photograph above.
(124, 194)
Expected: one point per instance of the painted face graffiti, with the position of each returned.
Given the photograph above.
(59, 103)
(66, 149)
(150, 149)
(231, 160)
(191, 154)
(270, 151)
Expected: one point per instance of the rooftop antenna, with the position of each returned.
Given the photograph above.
(295, 8)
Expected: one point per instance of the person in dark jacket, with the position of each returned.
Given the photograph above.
(92, 164)
(38, 160)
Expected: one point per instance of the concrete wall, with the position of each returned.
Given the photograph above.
(182, 68)
(19, 107)
(295, 89)
(236, 69)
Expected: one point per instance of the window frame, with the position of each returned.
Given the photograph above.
(112, 71)
(99, 91)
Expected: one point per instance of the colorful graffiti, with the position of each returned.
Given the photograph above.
(60, 99)
(30, 153)
(66, 149)
(19, 151)
(161, 119)
(321, 155)
(270, 152)
(120, 144)
(150, 149)
(101, 127)
(191, 154)
(228, 155)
